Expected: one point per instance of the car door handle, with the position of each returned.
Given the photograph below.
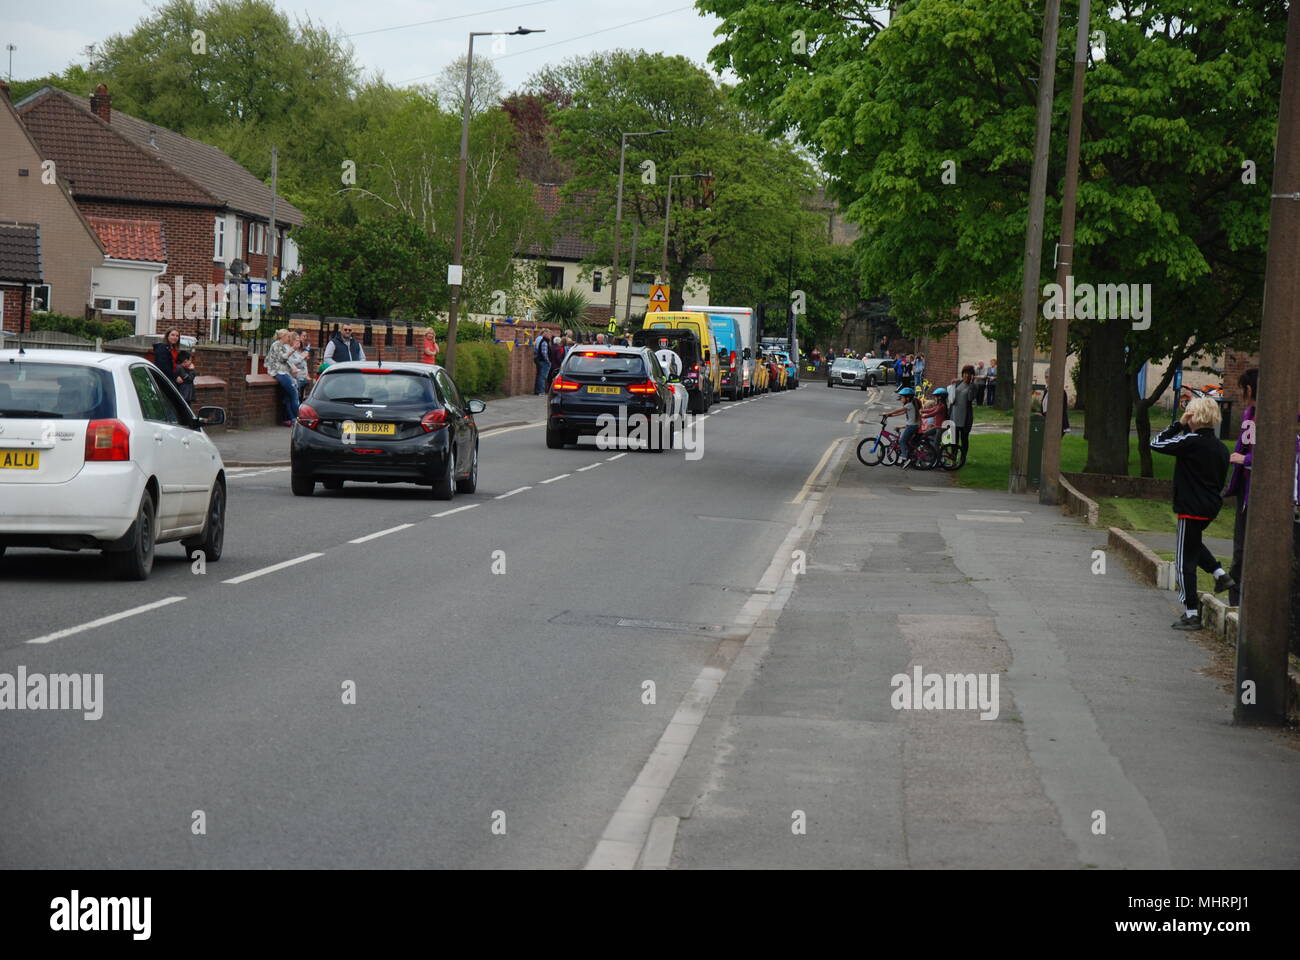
(157, 438)
(186, 443)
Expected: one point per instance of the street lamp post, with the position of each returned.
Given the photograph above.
(455, 269)
(618, 215)
(668, 211)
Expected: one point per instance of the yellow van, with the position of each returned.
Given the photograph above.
(697, 323)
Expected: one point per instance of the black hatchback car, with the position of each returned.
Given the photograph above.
(389, 423)
(604, 381)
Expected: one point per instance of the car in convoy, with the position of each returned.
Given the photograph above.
(747, 331)
(367, 422)
(762, 376)
(880, 370)
(98, 451)
(710, 372)
(847, 372)
(777, 374)
(599, 382)
(731, 356)
(791, 369)
(686, 345)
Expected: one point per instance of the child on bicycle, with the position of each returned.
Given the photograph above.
(934, 413)
(911, 410)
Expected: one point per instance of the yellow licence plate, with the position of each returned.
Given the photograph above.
(376, 428)
(20, 460)
(613, 390)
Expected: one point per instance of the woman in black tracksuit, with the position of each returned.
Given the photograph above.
(1198, 479)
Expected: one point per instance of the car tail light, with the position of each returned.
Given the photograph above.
(374, 370)
(599, 353)
(434, 420)
(733, 363)
(308, 417)
(695, 368)
(564, 384)
(108, 440)
(642, 388)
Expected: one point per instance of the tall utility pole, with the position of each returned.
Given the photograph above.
(271, 272)
(1019, 478)
(618, 216)
(1266, 592)
(455, 270)
(11, 48)
(1049, 488)
(631, 273)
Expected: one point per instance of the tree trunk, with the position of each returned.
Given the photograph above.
(1005, 384)
(1142, 418)
(1109, 399)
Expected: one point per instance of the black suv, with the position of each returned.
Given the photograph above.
(598, 382)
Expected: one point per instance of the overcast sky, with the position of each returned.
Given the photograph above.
(53, 33)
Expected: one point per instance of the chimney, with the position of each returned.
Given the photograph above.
(101, 103)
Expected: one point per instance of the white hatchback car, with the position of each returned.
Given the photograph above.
(99, 452)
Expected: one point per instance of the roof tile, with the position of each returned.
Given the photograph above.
(20, 252)
(132, 239)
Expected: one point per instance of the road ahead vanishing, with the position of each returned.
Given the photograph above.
(618, 659)
(480, 697)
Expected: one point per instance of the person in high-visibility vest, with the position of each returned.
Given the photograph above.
(612, 327)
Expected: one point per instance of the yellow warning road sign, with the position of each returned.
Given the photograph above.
(658, 298)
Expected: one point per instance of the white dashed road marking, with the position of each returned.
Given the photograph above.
(590, 466)
(511, 493)
(273, 568)
(560, 477)
(102, 621)
(448, 513)
(381, 533)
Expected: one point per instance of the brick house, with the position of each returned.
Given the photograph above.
(152, 192)
(47, 236)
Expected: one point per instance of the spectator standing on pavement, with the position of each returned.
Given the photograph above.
(542, 359)
(961, 395)
(430, 352)
(343, 347)
(918, 368)
(980, 384)
(991, 382)
(1239, 482)
(278, 365)
(188, 373)
(298, 362)
(167, 357)
(1201, 467)
(557, 355)
(884, 346)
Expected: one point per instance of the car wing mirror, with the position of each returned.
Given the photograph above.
(210, 417)
(477, 406)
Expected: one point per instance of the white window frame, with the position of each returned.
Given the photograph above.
(257, 238)
(219, 239)
(49, 297)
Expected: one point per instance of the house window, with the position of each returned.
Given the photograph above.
(219, 239)
(116, 308)
(551, 278)
(41, 298)
(256, 238)
(641, 285)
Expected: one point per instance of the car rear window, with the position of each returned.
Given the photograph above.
(849, 363)
(61, 390)
(604, 364)
(357, 386)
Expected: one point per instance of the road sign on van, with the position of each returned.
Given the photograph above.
(658, 298)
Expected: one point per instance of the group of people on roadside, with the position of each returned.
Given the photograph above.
(953, 402)
(548, 354)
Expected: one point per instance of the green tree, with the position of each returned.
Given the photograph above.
(374, 268)
(1187, 95)
(738, 222)
(407, 164)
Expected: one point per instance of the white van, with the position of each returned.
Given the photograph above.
(748, 323)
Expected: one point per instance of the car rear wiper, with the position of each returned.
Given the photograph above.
(350, 399)
(614, 370)
(31, 413)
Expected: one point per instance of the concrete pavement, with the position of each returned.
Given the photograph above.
(1112, 747)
